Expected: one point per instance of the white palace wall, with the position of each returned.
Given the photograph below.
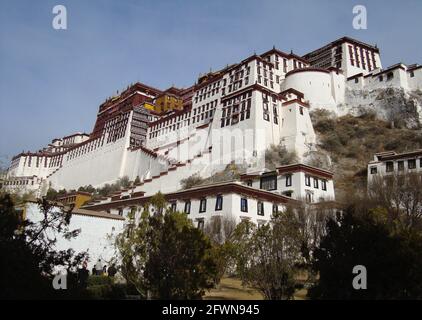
(96, 235)
(323, 90)
(97, 167)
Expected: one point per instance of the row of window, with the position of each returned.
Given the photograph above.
(316, 183)
(362, 57)
(195, 119)
(237, 78)
(18, 182)
(269, 183)
(88, 147)
(200, 113)
(389, 165)
(231, 115)
(219, 206)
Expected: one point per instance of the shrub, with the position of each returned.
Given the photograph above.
(277, 155)
(192, 181)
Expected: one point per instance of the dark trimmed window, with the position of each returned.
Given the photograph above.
(269, 183)
(219, 203)
(389, 166)
(260, 208)
(374, 170)
(275, 208)
(201, 224)
(244, 205)
(411, 164)
(307, 181)
(203, 205)
(400, 165)
(324, 185)
(187, 206)
(173, 206)
(288, 193)
(316, 183)
(288, 180)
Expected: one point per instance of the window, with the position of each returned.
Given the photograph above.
(324, 185)
(121, 212)
(356, 80)
(201, 224)
(411, 164)
(249, 182)
(260, 208)
(269, 183)
(412, 74)
(288, 193)
(374, 170)
(301, 110)
(381, 78)
(308, 197)
(275, 209)
(219, 203)
(390, 76)
(173, 206)
(400, 165)
(308, 181)
(203, 205)
(288, 180)
(244, 205)
(187, 207)
(420, 163)
(316, 183)
(389, 166)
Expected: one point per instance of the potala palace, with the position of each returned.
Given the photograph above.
(159, 137)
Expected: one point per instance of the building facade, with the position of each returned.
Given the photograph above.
(232, 115)
(391, 163)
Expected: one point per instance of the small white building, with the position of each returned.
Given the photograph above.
(390, 163)
(98, 230)
(296, 181)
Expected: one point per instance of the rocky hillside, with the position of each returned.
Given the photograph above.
(350, 142)
(395, 105)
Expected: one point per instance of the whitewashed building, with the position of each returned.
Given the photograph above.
(297, 181)
(98, 230)
(229, 199)
(228, 116)
(392, 163)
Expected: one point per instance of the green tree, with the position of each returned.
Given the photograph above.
(164, 256)
(28, 254)
(88, 188)
(393, 261)
(192, 181)
(267, 256)
(277, 155)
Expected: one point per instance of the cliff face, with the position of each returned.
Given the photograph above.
(399, 107)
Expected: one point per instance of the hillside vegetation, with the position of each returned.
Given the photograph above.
(351, 142)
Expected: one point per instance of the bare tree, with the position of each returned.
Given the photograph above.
(220, 228)
(400, 195)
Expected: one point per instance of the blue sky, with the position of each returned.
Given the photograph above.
(52, 81)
